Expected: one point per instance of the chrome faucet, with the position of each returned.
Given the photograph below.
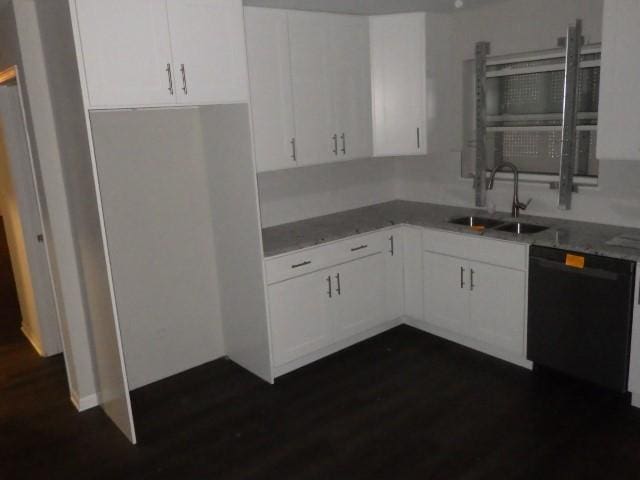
(516, 205)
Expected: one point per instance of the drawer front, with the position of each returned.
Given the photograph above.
(312, 259)
(487, 250)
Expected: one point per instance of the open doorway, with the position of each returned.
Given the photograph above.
(9, 307)
(27, 303)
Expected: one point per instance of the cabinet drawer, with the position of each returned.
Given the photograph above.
(312, 259)
(487, 250)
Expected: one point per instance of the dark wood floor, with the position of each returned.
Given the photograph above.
(9, 309)
(402, 405)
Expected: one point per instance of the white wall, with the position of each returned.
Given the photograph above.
(57, 222)
(298, 193)
(516, 26)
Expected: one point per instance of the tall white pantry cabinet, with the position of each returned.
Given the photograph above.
(164, 182)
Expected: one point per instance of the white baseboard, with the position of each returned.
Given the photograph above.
(84, 403)
(469, 342)
(32, 340)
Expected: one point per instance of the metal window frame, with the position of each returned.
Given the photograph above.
(572, 64)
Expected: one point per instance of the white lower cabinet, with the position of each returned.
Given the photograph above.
(358, 302)
(477, 300)
(357, 285)
(446, 296)
(497, 306)
(466, 288)
(299, 312)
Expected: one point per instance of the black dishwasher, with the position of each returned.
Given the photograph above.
(580, 315)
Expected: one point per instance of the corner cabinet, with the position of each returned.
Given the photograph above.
(328, 87)
(146, 53)
(398, 84)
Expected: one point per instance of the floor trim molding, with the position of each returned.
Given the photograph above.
(84, 403)
(29, 336)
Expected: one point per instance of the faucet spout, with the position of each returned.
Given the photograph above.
(516, 204)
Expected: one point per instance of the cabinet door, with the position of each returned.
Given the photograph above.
(359, 303)
(316, 133)
(619, 122)
(270, 85)
(394, 276)
(207, 40)
(497, 306)
(351, 85)
(299, 318)
(126, 52)
(446, 292)
(398, 56)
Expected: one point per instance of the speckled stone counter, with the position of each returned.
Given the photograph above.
(570, 235)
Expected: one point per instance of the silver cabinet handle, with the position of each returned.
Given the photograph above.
(393, 249)
(184, 79)
(344, 143)
(361, 247)
(293, 149)
(303, 264)
(471, 286)
(329, 292)
(338, 287)
(168, 70)
(335, 144)
(461, 277)
(418, 137)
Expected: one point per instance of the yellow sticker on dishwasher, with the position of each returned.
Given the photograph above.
(576, 261)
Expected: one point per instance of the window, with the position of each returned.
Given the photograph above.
(524, 98)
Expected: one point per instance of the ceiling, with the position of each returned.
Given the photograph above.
(369, 7)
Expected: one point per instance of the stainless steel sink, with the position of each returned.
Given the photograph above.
(522, 228)
(475, 222)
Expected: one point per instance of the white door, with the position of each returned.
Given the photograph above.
(498, 306)
(446, 292)
(274, 134)
(316, 133)
(299, 318)
(126, 52)
(398, 57)
(351, 85)
(31, 265)
(394, 272)
(360, 301)
(209, 56)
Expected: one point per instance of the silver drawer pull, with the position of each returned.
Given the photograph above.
(361, 247)
(303, 264)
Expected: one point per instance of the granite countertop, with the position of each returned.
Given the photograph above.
(566, 234)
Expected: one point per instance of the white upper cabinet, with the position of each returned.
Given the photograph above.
(209, 57)
(126, 51)
(619, 118)
(316, 132)
(351, 85)
(274, 134)
(310, 78)
(398, 79)
(133, 52)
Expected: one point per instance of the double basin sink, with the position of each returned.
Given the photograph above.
(482, 223)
